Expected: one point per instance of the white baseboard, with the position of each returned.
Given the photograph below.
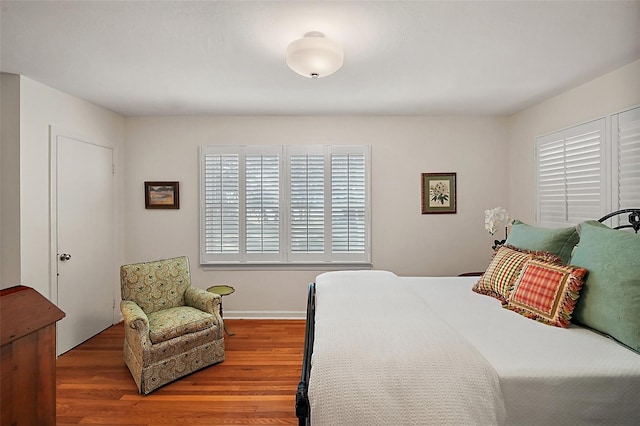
(255, 315)
(265, 314)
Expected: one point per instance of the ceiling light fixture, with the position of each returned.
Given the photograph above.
(314, 55)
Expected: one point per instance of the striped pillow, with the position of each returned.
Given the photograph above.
(547, 292)
(505, 268)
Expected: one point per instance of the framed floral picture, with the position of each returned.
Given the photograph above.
(161, 195)
(438, 193)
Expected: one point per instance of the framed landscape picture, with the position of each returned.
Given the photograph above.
(438, 193)
(161, 195)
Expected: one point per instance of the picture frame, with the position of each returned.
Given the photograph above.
(439, 193)
(161, 195)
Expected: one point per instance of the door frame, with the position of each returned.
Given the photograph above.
(54, 133)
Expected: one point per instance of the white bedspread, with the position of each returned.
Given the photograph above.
(548, 375)
(375, 362)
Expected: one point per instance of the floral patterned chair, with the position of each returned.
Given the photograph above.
(171, 328)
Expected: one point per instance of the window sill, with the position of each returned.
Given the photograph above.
(286, 266)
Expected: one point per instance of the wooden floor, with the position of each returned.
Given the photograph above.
(255, 385)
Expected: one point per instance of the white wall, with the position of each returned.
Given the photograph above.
(40, 107)
(403, 240)
(610, 93)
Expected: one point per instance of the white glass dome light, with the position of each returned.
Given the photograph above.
(314, 55)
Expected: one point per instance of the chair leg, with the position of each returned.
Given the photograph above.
(227, 331)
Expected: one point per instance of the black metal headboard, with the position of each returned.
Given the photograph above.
(303, 408)
(633, 218)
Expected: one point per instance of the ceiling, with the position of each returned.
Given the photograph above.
(401, 57)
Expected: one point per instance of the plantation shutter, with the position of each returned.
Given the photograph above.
(571, 178)
(348, 202)
(221, 204)
(626, 138)
(275, 204)
(307, 203)
(262, 203)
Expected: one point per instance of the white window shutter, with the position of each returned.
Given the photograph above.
(584, 156)
(551, 185)
(348, 203)
(262, 203)
(626, 138)
(571, 176)
(220, 206)
(274, 204)
(307, 203)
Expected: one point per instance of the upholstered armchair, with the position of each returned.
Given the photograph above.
(171, 327)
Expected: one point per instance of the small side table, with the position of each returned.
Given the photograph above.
(222, 290)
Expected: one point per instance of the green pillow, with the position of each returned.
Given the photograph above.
(558, 241)
(610, 298)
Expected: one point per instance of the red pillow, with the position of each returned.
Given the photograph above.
(547, 292)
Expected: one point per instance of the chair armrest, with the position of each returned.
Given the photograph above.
(203, 300)
(134, 316)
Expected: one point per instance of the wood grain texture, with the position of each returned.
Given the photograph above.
(255, 385)
(28, 357)
(16, 313)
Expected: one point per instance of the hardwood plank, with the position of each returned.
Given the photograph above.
(255, 385)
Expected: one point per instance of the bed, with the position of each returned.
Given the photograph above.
(387, 350)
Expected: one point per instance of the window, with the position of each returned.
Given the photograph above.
(626, 158)
(570, 167)
(585, 171)
(284, 205)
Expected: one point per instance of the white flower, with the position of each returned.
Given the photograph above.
(494, 218)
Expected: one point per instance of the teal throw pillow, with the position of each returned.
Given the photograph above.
(610, 298)
(558, 241)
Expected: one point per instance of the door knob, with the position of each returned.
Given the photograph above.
(65, 256)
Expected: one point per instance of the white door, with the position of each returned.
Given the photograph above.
(84, 240)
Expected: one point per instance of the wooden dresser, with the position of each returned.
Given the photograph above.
(28, 359)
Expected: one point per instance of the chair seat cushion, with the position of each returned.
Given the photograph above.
(169, 323)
